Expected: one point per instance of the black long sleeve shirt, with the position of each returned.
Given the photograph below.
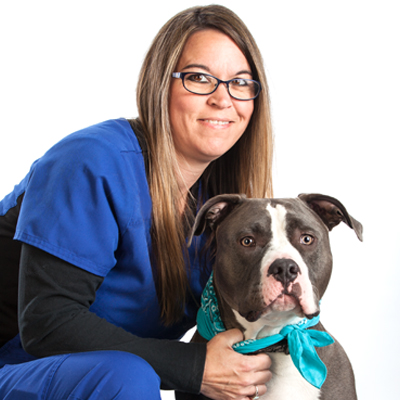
(54, 318)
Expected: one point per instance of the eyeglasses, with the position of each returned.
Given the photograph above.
(199, 83)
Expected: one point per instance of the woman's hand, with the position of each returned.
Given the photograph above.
(229, 375)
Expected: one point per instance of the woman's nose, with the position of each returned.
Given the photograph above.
(221, 97)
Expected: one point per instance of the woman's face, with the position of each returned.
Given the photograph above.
(206, 126)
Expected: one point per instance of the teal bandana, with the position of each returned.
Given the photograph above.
(301, 341)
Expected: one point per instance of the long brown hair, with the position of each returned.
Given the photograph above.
(245, 168)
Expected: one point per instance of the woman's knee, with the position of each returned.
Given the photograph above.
(105, 375)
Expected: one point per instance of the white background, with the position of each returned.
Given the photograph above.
(333, 70)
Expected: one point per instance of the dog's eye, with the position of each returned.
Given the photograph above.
(306, 239)
(247, 241)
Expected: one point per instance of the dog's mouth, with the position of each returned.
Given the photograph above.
(283, 303)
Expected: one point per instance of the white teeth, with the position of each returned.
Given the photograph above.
(216, 122)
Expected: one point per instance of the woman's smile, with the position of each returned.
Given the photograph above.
(216, 122)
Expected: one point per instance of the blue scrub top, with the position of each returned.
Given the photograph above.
(87, 202)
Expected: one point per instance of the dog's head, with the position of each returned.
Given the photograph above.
(273, 259)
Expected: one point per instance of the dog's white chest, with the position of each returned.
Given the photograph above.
(287, 382)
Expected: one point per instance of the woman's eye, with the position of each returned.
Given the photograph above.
(306, 239)
(248, 241)
(239, 82)
(198, 78)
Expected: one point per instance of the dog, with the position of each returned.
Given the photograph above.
(272, 266)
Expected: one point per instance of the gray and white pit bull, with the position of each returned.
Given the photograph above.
(272, 266)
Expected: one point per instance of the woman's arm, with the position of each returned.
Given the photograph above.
(54, 318)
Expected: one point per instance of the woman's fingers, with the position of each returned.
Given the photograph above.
(229, 375)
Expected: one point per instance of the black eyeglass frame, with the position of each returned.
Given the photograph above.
(182, 75)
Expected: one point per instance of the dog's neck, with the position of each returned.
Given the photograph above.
(301, 341)
(269, 325)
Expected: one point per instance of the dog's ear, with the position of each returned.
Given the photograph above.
(332, 212)
(214, 211)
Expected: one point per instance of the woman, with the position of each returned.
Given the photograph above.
(106, 284)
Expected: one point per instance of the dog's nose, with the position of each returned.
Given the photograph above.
(284, 270)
